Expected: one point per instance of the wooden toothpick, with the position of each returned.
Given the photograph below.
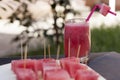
(44, 50)
(86, 57)
(69, 47)
(25, 55)
(21, 47)
(58, 52)
(49, 51)
(78, 52)
(26, 51)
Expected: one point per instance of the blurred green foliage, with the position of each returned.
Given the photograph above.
(105, 39)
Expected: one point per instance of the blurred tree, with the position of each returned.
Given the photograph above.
(23, 10)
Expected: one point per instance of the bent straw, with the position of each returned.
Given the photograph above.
(89, 16)
(112, 13)
(69, 48)
(97, 6)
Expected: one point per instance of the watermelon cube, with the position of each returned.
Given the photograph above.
(72, 68)
(86, 75)
(58, 74)
(104, 9)
(25, 74)
(63, 61)
(39, 63)
(28, 63)
(49, 66)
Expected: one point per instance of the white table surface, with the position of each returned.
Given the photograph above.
(6, 72)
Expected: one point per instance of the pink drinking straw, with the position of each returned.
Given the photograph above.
(89, 16)
(97, 6)
(112, 13)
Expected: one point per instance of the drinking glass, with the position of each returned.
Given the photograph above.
(77, 40)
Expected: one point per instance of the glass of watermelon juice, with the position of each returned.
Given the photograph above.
(77, 39)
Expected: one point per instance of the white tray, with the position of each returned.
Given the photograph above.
(7, 74)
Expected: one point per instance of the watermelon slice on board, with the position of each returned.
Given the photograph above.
(72, 68)
(39, 63)
(86, 75)
(58, 74)
(25, 74)
(49, 66)
(29, 64)
(63, 61)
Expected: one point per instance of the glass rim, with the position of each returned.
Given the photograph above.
(76, 20)
(81, 20)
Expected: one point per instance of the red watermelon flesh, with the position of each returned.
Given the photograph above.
(49, 66)
(39, 63)
(104, 9)
(63, 61)
(72, 67)
(86, 75)
(28, 63)
(25, 74)
(59, 74)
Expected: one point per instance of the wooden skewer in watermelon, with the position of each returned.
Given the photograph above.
(69, 48)
(39, 66)
(58, 52)
(44, 50)
(21, 49)
(49, 51)
(78, 51)
(25, 55)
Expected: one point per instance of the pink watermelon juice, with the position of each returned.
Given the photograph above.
(76, 38)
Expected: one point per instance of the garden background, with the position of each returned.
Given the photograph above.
(27, 21)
